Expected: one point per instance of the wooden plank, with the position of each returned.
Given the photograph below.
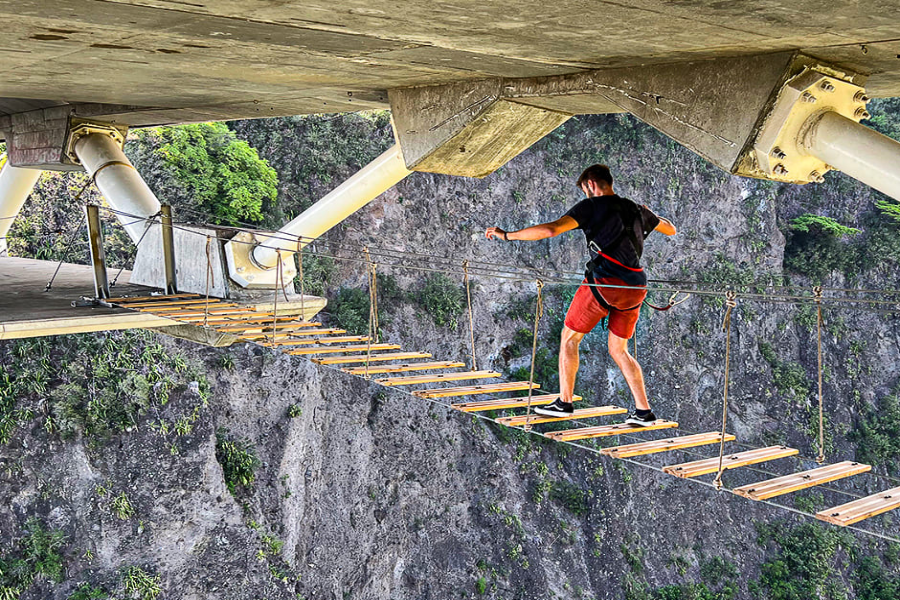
(675, 443)
(237, 320)
(503, 403)
(859, 510)
(257, 324)
(178, 303)
(579, 413)
(125, 299)
(338, 360)
(607, 430)
(729, 461)
(217, 308)
(420, 366)
(313, 341)
(471, 390)
(779, 486)
(336, 349)
(288, 332)
(460, 376)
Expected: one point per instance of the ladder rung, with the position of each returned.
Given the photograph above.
(313, 341)
(176, 304)
(338, 360)
(503, 403)
(579, 413)
(125, 300)
(421, 366)
(460, 376)
(289, 332)
(859, 510)
(607, 430)
(336, 349)
(729, 461)
(258, 324)
(778, 486)
(675, 443)
(471, 390)
(216, 308)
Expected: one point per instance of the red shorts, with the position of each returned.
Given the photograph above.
(585, 312)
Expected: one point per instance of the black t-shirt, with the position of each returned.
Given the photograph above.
(602, 220)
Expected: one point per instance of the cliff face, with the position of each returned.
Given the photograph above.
(363, 492)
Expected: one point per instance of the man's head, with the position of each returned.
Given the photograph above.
(596, 180)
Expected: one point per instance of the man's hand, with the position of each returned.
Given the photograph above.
(495, 232)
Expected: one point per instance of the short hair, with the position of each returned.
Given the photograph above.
(596, 173)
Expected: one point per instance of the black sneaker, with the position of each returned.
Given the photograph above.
(635, 419)
(557, 409)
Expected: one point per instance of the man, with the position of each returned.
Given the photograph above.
(614, 229)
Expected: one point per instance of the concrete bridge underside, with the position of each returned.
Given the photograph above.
(156, 61)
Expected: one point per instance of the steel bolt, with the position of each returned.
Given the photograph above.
(827, 86)
(778, 153)
(780, 169)
(861, 97)
(861, 113)
(817, 177)
(807, 97)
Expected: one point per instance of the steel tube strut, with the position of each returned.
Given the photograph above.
(367, 184)
(15, 186)
(858, 151)
(118, 181)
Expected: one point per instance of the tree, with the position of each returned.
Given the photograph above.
(225, 176)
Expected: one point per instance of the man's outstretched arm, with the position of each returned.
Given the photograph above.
(665, 227)
(535, 232)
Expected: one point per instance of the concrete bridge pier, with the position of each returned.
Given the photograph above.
(15, 186)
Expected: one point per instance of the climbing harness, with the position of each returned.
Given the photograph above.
(818, 296)
(730, 303)
(471, 318)
(538, 313)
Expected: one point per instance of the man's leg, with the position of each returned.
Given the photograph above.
(568, 362)
(634, 376)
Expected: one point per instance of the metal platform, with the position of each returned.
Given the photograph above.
(26, 310)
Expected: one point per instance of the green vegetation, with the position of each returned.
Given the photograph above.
(238, 459)
(569, 495)
(94, 385)
(294, 410)
(805, 561)
(317, 272)
(443, 300)
(350, 310)
(790, 378)
(85, 591)
(815, 247)
(37, 554)
(481, 585)
(877, 433)
(309, 161)
(140, 585)
(223, 175)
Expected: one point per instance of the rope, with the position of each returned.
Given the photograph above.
(209, 275)
(730, 303)
(302, 283)
(373, 308)
(278, 274)
(538, 313)
(471, 318)
(821, 457)
(71, 237)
